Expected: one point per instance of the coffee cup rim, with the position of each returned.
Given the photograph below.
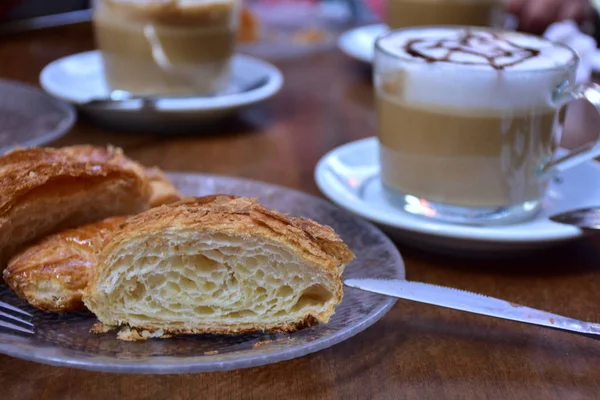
(573, 61)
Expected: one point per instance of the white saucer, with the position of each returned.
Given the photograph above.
(80, 77)
(348, 175)
(359, 43)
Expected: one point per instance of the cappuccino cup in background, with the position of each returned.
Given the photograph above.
(166, 46)
(405, 13)
(469, 120)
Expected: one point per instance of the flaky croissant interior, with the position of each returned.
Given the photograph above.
(217, 264)
(219, 279)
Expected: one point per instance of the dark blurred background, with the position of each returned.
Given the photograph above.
(20, 9)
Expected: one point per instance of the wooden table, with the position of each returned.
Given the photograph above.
(416, 351)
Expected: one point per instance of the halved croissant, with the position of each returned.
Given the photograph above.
(52, 273)
(217, 264)
(46, 190)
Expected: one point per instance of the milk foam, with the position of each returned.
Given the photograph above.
(497, 72)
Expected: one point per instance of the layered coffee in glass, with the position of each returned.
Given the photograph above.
(167, 46)
(469, 120)
(404, 13)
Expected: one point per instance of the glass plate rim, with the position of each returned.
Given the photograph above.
(62, 128)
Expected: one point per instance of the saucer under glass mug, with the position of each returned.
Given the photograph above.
(468, 139)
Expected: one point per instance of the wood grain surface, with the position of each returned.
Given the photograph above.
(414, 352)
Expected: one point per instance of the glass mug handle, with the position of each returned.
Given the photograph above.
(591, 93)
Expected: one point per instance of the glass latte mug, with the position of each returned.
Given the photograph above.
(406, 13)
(166, 47)
(470, 121)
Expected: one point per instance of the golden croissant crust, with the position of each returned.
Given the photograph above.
(52, 274)
(216, 264)
(46, 190)
(162, 190)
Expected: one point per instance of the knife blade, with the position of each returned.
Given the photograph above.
(462, 300)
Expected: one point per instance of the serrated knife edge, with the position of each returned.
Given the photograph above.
(462, 300)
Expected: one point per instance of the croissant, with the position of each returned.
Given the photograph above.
(45, 190)
(216, 264)
(52, 273)
(162, 190)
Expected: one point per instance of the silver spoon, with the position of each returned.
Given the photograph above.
(121, 96)
(585, 218)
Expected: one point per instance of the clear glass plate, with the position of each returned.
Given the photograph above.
(64, 339)
(30, 117)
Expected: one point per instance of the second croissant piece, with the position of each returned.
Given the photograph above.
(52, 272)
(162, 190)
(46, 190)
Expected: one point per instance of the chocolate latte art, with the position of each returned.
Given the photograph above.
(471, 48)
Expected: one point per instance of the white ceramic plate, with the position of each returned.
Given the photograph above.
(359, 43)
(595, 61)
(80, 77)
(349, 176)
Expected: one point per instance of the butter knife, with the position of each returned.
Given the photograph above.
(471, 302)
